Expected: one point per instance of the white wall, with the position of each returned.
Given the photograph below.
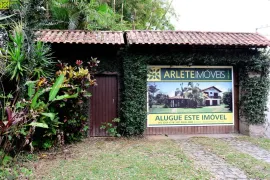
(213, 90)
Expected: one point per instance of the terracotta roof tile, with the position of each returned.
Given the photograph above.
(80, 36)
(197, 38)
(153, 37)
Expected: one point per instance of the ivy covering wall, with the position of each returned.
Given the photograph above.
(253, 94)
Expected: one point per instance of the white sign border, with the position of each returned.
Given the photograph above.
(191, 67)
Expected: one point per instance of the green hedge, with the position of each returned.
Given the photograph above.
(134, 93)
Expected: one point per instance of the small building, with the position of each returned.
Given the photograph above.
(122, 73)
(180, 102)
(213, 96)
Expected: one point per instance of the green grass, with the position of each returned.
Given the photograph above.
(261, 142)
(207, 109)
(15, 169)
(252, 167)
(121, 159)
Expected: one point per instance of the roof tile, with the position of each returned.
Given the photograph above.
(154, 37)
(81, 36)
(197, 38)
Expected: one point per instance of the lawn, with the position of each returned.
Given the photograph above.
(255, 169)
(206, 109)
(119, 159)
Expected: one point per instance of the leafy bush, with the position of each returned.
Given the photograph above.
(45, 107)
(61, 104)
(110, 128)
(227, 99)
(41, 106)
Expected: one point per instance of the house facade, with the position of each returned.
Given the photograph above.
(122, 73)
(213, 96)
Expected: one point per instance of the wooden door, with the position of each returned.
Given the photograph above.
(214, 102)
(103, 103)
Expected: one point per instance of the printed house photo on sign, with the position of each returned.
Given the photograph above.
(181, 96)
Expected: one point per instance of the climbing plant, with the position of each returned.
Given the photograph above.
(253, 91)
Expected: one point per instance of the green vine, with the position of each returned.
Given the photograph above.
(254, 90)
(254, 98)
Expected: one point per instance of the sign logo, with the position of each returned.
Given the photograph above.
(154, 74)
(4, 4)
(189, 96)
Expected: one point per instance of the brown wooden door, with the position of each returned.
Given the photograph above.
(103, 103)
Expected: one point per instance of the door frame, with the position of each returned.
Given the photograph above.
(90, 122)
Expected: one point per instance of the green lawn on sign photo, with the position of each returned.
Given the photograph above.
(206, 109)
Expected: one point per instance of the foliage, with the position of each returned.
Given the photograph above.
(39, 108)
(43, 61)
(16, 53)
(98, 15)
(147, 14)
(161, 98)
(15, 172)
(27, 60)
(73, 112)
(194, 93)
(31, 13)
(133, 107)
(60, 105)
(20, 122)
(80, 14)
(110, 128)
(227, 99)
(254, 98)
(41, 119)
(15, 169)
(152, 89)
(19, 116)
(255, 90)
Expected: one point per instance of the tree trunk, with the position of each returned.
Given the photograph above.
(47, 10)
(114, 6)
(122, 8)
(134, 20)
(165, 12)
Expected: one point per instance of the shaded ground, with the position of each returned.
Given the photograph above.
(159, 157)
(206, 109)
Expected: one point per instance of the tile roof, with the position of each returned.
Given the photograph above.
(210, 88)
(153, 37)
(197, 38)
(81, 36)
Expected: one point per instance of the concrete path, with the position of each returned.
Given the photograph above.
(249, 148)
(214, 164)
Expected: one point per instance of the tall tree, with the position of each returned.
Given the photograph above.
(152, 89)
(112, 14)
(23, 56)
(147, 14)
(82, 14)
